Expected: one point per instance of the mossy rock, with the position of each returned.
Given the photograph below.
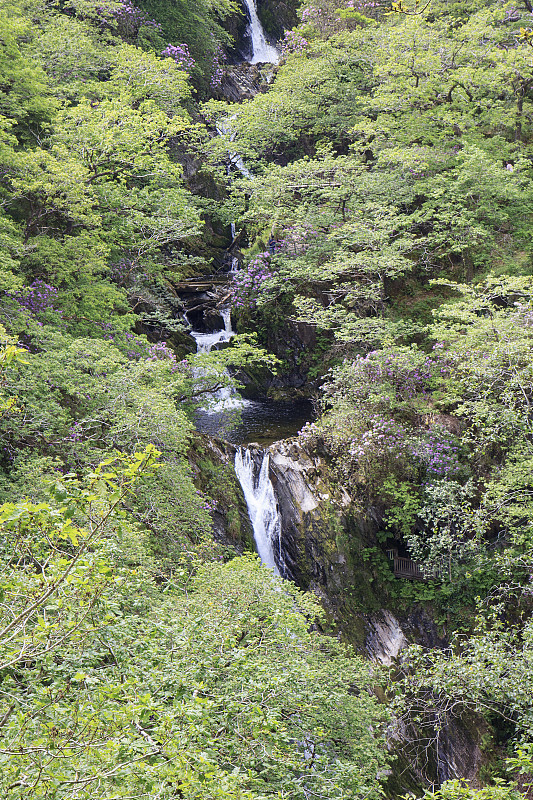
(277, 17)
(215, 476)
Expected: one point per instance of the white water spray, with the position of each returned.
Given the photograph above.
(226, 397)
(262, 508)
(206, 341)
(262, 52)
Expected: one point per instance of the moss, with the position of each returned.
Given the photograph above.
(277, 16)
(217, 479)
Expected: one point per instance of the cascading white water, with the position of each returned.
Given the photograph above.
(261, 501)
(226, 397)
(206, 341)
(261, 50)
(224, 129)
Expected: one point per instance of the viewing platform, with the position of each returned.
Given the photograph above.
(405, 567)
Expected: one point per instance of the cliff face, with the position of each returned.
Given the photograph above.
(322, 549)
(322, 546)
(212, 461)
(243, 81)
(277, 16)
(312, 525)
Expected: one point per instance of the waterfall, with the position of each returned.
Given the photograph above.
(261, 50)
(224, 129)
(206, 341)
(226, 397)
(262, 507)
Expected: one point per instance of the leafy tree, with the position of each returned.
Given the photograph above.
(112, 687)
(454, 790)
(24, 95)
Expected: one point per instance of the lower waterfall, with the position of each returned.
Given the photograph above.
(262, 507)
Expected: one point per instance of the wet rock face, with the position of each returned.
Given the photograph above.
(202, 298)
(293, 343)
(237, 26)
(297, 346)
(387, 635)
(277, 16)
(385, 639)
(435, 749)
(212, 464)
(310, 523)
(243, 81)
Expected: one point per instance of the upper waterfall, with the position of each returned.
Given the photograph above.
(226, 397)
(206, 341)
(261, 50)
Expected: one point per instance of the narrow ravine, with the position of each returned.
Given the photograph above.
(252, 471)
(253, 474)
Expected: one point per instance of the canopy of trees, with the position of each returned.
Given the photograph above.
(389, 207)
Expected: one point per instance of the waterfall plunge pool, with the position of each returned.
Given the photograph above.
(240, 421)
(262, 421)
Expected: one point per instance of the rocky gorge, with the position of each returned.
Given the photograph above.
(280, 498)
(265, 400)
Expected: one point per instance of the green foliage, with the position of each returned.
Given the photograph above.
(403, 505)
(24, 97)
(391, 149)
(112, 687)
(459, 790)
(451, 528)
(198, 24)
(490, 672)
(396, 149)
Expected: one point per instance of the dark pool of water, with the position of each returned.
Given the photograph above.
(261, 421)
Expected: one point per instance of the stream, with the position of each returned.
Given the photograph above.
(240, 421)
(262, 421)
(229, 416)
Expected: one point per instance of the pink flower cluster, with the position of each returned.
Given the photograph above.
(310, 14)
(124, 271)
(128, 18)
(434, 452)
(248, 282)
(407, 374)
(363, 6)
(160, 352)
(293, 42)
(38, 297)
(180, 54)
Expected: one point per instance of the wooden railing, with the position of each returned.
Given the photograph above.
(405, 567)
